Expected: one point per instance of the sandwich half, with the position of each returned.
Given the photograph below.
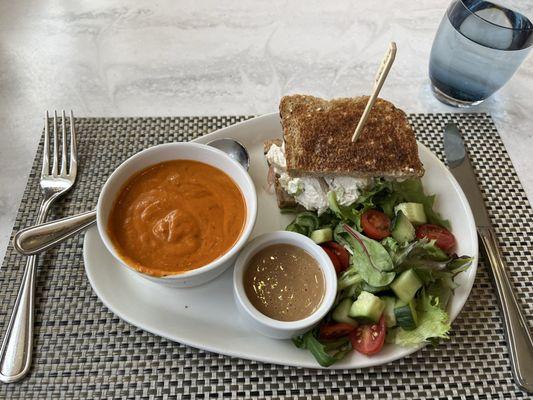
(317, 155)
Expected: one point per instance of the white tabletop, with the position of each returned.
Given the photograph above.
(148, 58)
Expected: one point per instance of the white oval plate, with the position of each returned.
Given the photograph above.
(206, 317)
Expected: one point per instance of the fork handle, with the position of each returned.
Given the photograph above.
(15, 353)
(15, 356)
(38, 238)
(517, 332)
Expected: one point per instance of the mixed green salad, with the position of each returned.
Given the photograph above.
(395, 262)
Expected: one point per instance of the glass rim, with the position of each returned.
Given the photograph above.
(495, 24)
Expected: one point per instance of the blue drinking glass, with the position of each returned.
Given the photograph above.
(478, 47)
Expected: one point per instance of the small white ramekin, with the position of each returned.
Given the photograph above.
(272, 327)
(180, 151)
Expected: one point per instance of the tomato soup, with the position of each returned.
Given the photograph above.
(176, 216)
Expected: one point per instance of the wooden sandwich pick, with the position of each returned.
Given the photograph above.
(383, 71)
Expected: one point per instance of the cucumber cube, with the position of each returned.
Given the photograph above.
(340, 313)
(367, 307)
(406, 285)
(413, 211)
(403, 230)
(390, 317)
(322, 235)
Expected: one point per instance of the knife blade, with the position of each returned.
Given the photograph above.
(516, 327)
(461, 168)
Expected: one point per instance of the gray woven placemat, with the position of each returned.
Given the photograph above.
(81, 350)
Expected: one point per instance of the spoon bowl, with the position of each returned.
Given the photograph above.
(234, 149)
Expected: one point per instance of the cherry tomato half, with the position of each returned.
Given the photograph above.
(375, 224)
(335, 330)
(369, 339)
(442, 236)
(334, 259)
(341, 253)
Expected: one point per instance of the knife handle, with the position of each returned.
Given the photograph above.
(518, 335)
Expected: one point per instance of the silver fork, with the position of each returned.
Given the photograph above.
(15, 354)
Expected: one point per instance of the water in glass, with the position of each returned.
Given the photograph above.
(478, 47)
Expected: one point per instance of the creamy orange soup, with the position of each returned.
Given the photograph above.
(176, 216)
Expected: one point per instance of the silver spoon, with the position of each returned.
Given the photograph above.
(38, 238)
(234, 149)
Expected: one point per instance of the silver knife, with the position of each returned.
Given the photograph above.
(518, 335)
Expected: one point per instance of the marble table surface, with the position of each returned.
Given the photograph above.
(200, 57)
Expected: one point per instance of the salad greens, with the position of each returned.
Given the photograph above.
(411, 282)
(411, 190)
(369, 258)
(420, 251)
(326, 353)
(433, 323)
(386, 195)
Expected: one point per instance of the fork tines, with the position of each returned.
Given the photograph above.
(67, 168)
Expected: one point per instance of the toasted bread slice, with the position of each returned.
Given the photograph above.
(318, 134)
(284, 199)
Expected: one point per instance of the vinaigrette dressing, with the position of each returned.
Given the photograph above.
(284, 282)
